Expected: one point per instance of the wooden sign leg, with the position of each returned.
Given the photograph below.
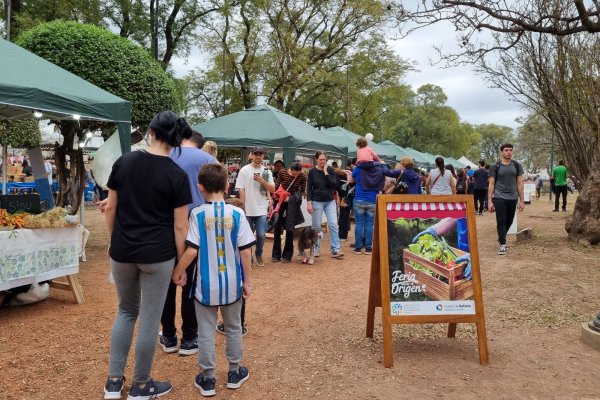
(482, 342)
(374, 297)
(452, 330)
(388, 345)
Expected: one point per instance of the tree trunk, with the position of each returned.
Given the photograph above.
(584, 225)
(72, 182)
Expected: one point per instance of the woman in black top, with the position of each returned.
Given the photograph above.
(294, 182)
(320, 187)
(146, 213)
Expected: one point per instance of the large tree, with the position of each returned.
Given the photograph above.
(534, 141)
(274, 48)
(175, 21)
(549, 62)
(492, 137)
(27, 14)
(432, 126)
(511, 19)
(110, 62)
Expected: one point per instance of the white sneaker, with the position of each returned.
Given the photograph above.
(502, 250)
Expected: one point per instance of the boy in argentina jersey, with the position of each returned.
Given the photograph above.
(219, 234)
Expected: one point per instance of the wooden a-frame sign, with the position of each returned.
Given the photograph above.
(443, 293)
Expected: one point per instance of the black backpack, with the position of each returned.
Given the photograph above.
(461, 187)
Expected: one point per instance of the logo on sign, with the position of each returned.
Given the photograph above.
(439, 307)
(397, 309)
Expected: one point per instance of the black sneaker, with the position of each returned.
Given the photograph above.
(152, 390)
(112, 389)
(368, 252)
(221, 329)
(236, 379)
(188, 347)
(205, 385)
(168, 344)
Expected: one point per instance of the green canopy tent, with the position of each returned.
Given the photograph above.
(347, 138)
(454, 162)
(417, 156)
(29, 83)
(430, 158)
(399, 151)
(270, 128)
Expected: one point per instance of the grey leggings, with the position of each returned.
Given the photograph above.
(207, 320)
(142, 289)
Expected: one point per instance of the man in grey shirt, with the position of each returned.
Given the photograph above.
(505, 193)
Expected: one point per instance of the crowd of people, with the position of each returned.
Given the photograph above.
(175, 221)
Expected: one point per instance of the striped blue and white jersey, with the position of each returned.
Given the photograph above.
(219, 231)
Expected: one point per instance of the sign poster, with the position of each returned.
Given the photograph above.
(430, 267)
(425, 266)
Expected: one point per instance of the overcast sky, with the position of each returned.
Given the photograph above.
(467, 92)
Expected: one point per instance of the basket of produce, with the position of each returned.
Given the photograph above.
(54, 218)
(432, 261)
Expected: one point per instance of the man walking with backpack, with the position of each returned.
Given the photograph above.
(505, 193)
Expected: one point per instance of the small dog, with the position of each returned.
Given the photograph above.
(306, 244)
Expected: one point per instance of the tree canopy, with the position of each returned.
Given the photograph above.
(108, 61)
(19, 133)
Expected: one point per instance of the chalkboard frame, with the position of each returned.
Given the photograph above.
(33, 201)
(379, 287)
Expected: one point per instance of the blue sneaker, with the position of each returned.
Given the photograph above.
(152, 390)
(188, 347)
(113, 387)
(205, 385)
(235, 379)
(168, 344)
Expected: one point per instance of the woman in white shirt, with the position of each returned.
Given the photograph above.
(440, 180)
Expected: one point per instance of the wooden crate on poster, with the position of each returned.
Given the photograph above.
(435, 288)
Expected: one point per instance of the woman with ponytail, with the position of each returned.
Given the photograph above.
(146, 214)
(440, 180)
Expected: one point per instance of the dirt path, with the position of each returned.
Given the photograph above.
(307, 331)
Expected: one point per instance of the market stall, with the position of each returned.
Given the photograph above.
(33, 87)
(55, 254)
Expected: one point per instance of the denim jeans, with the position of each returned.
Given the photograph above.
(259, 225)
(331, 213)
(364, 214)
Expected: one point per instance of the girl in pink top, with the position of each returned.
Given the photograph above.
(364, 152)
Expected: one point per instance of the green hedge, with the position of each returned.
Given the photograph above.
(108, 61)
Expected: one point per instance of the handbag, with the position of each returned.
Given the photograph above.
(398, 187)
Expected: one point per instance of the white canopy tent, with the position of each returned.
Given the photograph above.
(466, 161)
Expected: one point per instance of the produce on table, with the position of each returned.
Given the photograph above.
(12, 221)
(54, 218)
(435, 250)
